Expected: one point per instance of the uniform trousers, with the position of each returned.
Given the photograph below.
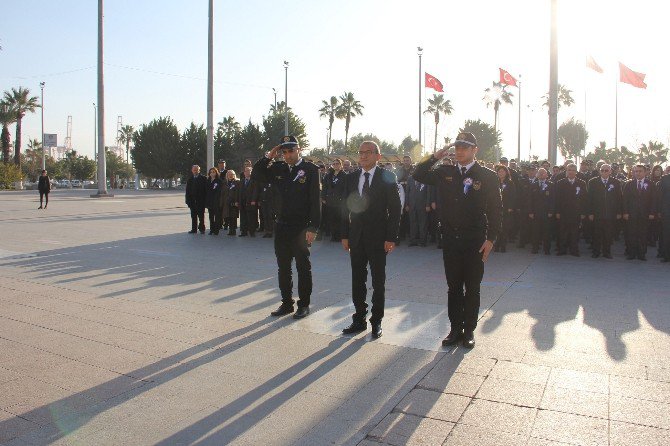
(290, 243)
(464, 269)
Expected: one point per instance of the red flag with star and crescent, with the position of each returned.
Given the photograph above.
(631, 77)
(506, 78)
(434, 83)
(591, 63)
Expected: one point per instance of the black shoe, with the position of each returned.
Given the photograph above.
(574, 254)
(211, 233)
(608, 256)
(452, 338)
(267, 236)
(643, 258)
(302, 312)
(282, 310)
(560, 253)
(192, 231)
(469, 340)
(423, 245)
(252, 234)
(412, 244)
(202, 231)
(355, 327)
(595, 255)
(665, 260)
(232, 232)
(243, 234)
(40, 207)
(377, 330)
(630, 257)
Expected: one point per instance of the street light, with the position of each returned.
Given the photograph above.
(95, 134)
(420, 52)
(285, 98)
(44, 156)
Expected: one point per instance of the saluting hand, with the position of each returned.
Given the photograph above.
(486, 250)
(443, 152)
(274, 152)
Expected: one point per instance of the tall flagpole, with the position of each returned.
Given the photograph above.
(102, 163)
(616, 115)
(518, 136)
(210, 87)
(553, 84)
(420, 52)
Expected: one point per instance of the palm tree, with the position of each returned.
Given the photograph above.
(495, 96)
(436, 106)
(278, 108)
(126, 135)
(329, 110)
(21, 103)
(7, 118)
(564, 97)
(349, 108)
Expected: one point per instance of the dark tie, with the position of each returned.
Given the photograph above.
(639, 186)
(366, 185)
(463, 170)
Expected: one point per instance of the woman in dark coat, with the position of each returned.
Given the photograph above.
(508, 192)
(230, 201)
(44, 186)
(212, 198)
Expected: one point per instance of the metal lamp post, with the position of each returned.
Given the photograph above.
(285, 98)
(44, 156)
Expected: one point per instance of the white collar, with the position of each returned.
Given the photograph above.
(571, 181)
(467, 167)
(371, 171)
(296, 164)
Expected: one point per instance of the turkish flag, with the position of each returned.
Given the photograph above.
(506, 78)
(434, 83)
(631, 77)
(590, 63)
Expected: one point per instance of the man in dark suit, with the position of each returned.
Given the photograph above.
(196, 193)
(663, 208)
(604, 210)
(332, 196)
(470, 208)
(639, 207)
(526, 183)
(298, 212)
(541, 212)
(570, 207)
(417, 204)
(369, 232)
(249, 196)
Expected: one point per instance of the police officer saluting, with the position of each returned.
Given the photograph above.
(470, 208)
(298, 213)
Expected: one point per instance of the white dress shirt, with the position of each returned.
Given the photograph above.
(467, 167)
(361, 179)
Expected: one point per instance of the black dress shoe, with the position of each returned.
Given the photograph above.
(630, 257)
(469, 340)
(452, 338)
(607, 256)
(643, 258)
(192, 231)
(665, 260)
(355, 327)
(243, 234)
(595, 255)
(377, 331)
(412, 244)
(282, 310)
(267, 235)
(302, 312)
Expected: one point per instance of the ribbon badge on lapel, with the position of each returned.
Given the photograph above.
(577, 189)
(611, 188)
(216, 185)
(300, 176)
(467, 183)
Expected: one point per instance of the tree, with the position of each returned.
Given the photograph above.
(192, 149)
(564, 97)
(386, 147)
(348, 109)
(20, 102)
(488, 138)
(7, 118)
(225, 138)
(273, 127)
(31, 162)
(572, 137)
(495, 96)
(74, 166)
(251, 141)
(116, 166)
(126, 135)
(329, 110)
(156, 148)
(436, 106)
(653, 153)
(407, 145)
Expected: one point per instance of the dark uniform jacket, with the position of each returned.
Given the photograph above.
(333, 188)
(249, 192)
(542, 199)
(297, 201)
(196, 192)
(44, 184)
(639, 203)
(604, 199)
(663, 204)
(374, 219)
(509, 195)
(571, 200)
(213, 193)
(477, 212)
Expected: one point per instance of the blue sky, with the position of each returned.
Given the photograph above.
(156, 62)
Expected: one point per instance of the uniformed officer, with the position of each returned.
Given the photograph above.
(470, 209)
(298, 214)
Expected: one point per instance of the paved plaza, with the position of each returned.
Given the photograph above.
(119, 328)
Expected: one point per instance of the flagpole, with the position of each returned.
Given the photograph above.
(518, 136)
(616, 115)
(420, 52)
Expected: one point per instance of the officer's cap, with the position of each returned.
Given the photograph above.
(503, 159)
(290, 142)
(465, 139)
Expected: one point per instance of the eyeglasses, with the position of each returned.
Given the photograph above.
(366, 152)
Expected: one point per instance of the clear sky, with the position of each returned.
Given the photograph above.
(156, 63)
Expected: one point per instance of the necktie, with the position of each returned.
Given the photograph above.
(639, 186)
(366, 185)
(463, 170)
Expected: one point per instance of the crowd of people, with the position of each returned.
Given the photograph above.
(546, 208)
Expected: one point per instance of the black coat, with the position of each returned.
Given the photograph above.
(196, 192)
(571, 200)
(639, 203)
(508, 193)
(542, 199)
(333, 188)
(297, 202)
(604, 200)
(663, 203)
(472, 214)
(44, 184)
(213, 193)
(249, 192)
(374, 219)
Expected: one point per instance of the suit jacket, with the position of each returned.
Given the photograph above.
(509, 195)
(333, 188)
(249, 192)
(639, 203)
(374, 219)
(196, 192)
(417, 195)
(604, 200)
(475, 213)
(297, 200)
(542, 199)
(213, 193)
(44, 184)
(571, 199)
(663, 204)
